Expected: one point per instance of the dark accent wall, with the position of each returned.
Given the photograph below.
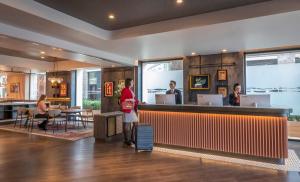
(110, 104)
(66, 75)
(209, 65)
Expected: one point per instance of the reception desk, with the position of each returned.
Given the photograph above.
(260, 132)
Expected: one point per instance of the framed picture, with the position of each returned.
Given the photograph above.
(223, 90)
(63, 90)
(222, 75)
(199, 82)
(15, 87)
(108, 89)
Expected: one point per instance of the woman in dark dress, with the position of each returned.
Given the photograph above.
(234, 98)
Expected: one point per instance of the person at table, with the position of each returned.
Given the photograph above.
(234, 98)
(173, 90)
(42, 112)
(129, 106)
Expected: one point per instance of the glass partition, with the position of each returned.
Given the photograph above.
(277, 74)
(157, 75)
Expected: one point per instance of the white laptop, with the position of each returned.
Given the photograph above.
(168, 99)
(210, 99)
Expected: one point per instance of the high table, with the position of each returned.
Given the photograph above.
(260, 132)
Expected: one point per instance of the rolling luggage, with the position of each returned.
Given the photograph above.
(143, 137)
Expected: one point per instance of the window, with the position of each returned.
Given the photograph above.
(156, 78)
(89, 88)
(277, 74)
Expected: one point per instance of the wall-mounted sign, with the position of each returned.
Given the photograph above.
(108, 89)
(63, 92)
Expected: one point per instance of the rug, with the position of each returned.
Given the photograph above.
(73, 133)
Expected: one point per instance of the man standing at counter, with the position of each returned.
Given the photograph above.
(234, 98)
(173, 90)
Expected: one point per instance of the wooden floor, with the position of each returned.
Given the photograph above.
(37, 159)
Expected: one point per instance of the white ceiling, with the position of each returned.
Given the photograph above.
(277, 25)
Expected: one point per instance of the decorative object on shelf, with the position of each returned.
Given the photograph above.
(200, 82)
(14, 87)
(120, 86)
(108, 89)
(222, 75)
(223, 90)
(63, 92)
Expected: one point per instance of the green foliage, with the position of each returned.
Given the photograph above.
(91, 104)
(294, 118)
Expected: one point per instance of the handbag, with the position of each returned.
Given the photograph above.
(127, 105)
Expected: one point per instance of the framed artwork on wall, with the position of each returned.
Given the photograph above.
(63, 90)
(108, 89)
(223, 90)
(15, 87)
(222, 75)
(200, 82)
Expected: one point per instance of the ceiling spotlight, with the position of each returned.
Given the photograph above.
(179, 1)
(224, 50)
(111, 16)
(193, 53)
(42, 52)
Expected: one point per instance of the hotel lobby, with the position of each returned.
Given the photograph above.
(140, 90)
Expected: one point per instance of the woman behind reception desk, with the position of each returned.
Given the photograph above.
(234, 98)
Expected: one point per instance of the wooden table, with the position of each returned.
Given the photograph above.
(74, 112)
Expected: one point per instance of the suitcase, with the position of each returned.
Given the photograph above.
(143, 137)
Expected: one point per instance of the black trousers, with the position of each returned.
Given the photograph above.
(45, 122)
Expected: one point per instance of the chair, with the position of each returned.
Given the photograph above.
(87, 116)
(21, 114)
(54, 117)
(32, 119)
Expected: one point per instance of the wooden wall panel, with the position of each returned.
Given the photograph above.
(262, 136)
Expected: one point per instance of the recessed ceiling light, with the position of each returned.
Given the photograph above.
(42, 52)
(193, 53)
(34, 43)
(43, 57)
(111, 16)
(59, 49)
(54, 48)
(224, 50)
(179, 1)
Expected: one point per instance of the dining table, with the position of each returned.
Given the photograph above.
(72, 112)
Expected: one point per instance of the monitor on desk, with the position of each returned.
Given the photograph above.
(210, 99)
(165, 99)
(263, 100)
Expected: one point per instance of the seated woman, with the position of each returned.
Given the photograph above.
(234, 98)
(42, 112)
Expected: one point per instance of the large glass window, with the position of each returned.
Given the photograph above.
(91, 89)
(157, 75)
(277, 74)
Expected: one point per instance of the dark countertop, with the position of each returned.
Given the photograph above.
(218, 110)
